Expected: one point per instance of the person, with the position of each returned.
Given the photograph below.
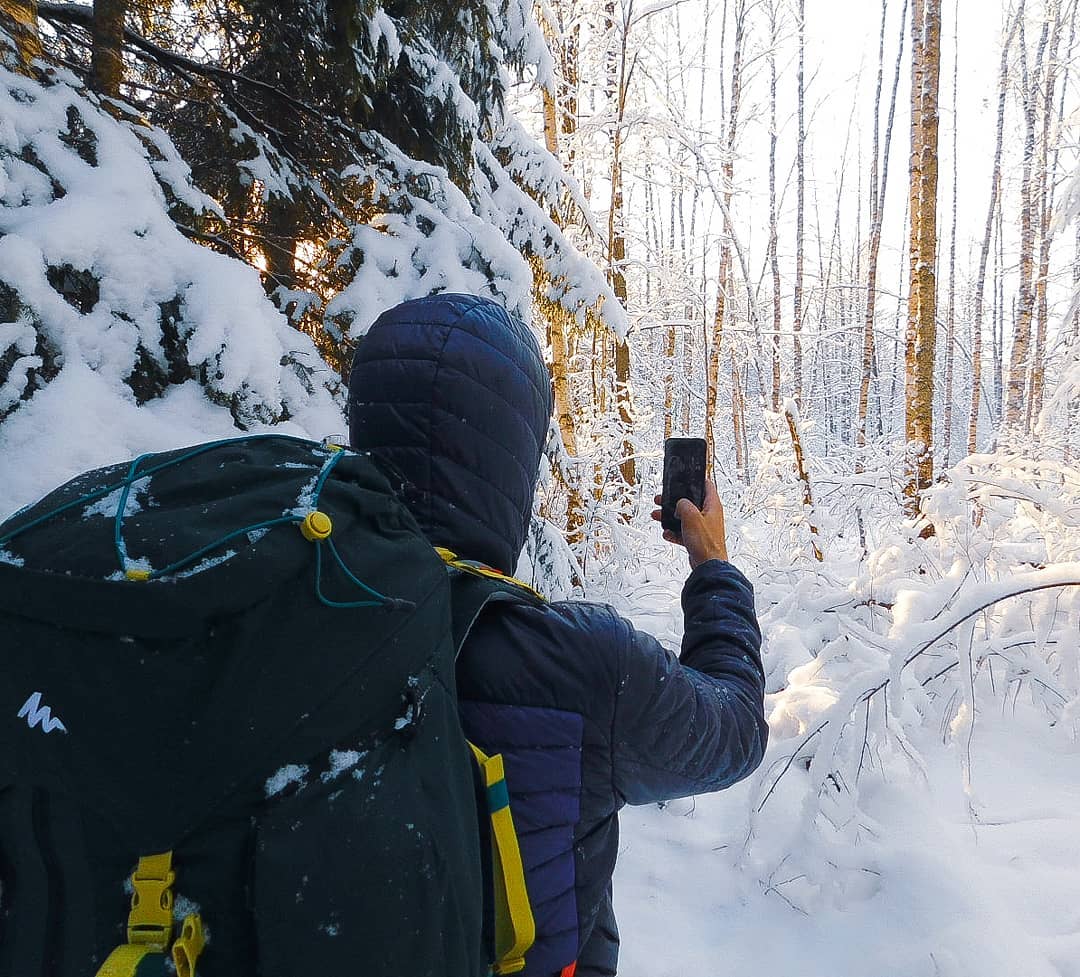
(451, 395)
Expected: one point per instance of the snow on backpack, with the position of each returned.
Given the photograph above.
(228, 729)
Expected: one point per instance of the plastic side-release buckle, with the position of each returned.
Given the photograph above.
(150, 922)
(150, 928)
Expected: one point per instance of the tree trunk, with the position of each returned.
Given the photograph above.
(725, 277)
(617, 252)
(999, 315)
(877, 196)
(804, 477)
(551, 123)
(107, 61)
(688, 372)
(950, 320)
(774, 337)
(1020, 358)
(800, 203)
(1045, 209)
(18, 18)
(565, 413)
(669, 381)
(738, 419)
(921, 329)
(283, 226)
(712, 378)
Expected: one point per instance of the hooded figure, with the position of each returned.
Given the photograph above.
(451, 395)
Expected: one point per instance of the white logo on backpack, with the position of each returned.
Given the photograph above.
(34, 712)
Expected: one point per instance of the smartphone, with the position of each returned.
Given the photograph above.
(684, 478)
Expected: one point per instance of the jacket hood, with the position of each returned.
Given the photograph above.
(451, 395)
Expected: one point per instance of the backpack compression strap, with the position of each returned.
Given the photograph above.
(150, 927)
(515, 929)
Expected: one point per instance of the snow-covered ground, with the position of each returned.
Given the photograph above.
(997, 895)
(957, 860)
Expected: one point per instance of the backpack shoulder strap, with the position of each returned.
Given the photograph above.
(473, 586)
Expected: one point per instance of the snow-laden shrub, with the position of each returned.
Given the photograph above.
(873, 664)
(100, 289)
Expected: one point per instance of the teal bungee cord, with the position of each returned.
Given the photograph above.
(133, 475)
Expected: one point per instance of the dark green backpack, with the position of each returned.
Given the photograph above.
(236, 663)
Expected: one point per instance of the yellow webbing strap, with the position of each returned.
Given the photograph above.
(451, 559)
(515, 928)
(150, 925)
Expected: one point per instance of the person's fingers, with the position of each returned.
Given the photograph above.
(658, 499)
(712, 497)
(688, 514)
(703, 532)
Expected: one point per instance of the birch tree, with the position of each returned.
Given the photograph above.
(774, 263)
(1044, 209)
(950, 305)
(800, 210)
(988, 236)
(1020, 357)
(877, 214)
(724, 277)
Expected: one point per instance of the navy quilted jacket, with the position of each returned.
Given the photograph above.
(589, 713)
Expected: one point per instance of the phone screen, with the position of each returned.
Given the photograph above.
(684, 478)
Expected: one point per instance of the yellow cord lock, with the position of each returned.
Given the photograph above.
(137, 574)
(316, 526)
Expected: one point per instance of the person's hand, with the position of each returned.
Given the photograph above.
(703, 534)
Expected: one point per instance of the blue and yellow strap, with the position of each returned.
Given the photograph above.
(515, 929)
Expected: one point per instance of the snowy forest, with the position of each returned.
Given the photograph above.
(840, 241)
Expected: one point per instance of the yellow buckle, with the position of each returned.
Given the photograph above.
(150, 922)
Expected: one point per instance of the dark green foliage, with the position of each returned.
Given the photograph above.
(10, 306)
(79, 288)
(34, 355)
(155, 371)
(80, 137)
(28, 155)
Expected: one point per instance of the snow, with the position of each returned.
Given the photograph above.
(107, 505)
(94, 199)
(937, 892)
(342, 761)
(292, 773)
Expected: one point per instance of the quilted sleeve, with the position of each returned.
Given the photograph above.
(693, 724)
